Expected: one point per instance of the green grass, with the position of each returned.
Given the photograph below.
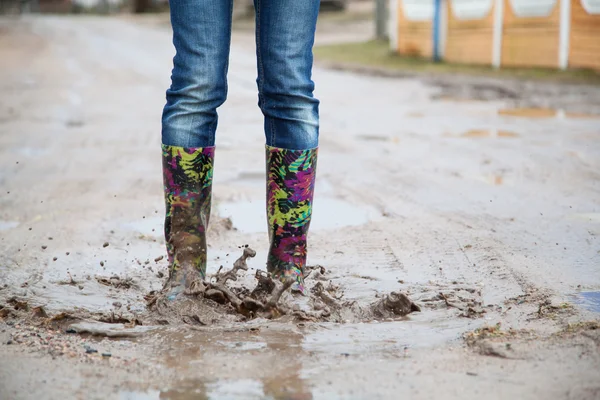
(376, 54)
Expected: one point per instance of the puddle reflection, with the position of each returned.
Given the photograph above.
(278, 387)
(328, 213)
(588, 300)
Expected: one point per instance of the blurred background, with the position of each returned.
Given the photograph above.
(500, 33)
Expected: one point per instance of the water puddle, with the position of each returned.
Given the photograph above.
(378, 138)
(387, 337)
(544, 113)
(328, 213)
(288, 354)
(276, 388)
(6, 225)
(192, 390)
(243, 346)
(588, 300)
(488, 133)
(33, 151)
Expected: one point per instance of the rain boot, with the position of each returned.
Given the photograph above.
(187, 176)
(290, 187)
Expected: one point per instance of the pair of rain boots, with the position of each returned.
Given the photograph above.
(188, 174)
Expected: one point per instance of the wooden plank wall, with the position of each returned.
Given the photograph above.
(584, 48)
(414, 37)
(530, 41)
(469, 41)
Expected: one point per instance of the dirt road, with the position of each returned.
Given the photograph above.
(487, 216)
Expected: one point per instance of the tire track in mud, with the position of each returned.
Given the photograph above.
(435, 276)
(433, 236)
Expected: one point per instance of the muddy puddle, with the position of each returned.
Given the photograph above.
(291, 350)
(225, 389)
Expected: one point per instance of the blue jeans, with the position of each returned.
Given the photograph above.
(285, 31)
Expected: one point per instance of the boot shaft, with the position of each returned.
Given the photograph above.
(290, 189)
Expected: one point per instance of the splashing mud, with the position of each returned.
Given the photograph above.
(218, 299)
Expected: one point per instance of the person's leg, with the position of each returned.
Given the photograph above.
(201, 35)
(285, 36)
(285, 31)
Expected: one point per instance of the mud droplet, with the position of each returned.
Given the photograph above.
(54, 258)
(44, 247)
(67, 253)
(102, 263)
(50, 238)
(105, 244)
(157, 259)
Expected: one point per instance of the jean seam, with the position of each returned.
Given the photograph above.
(272, 127)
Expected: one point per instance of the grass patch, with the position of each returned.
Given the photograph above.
(377, 55)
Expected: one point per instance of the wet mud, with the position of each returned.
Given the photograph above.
(218, 299)
(217, 302)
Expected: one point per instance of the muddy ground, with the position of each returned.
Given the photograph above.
(486, 214)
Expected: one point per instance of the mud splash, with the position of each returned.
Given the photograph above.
(218, 299)
(225, 300)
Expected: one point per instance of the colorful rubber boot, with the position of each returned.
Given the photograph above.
(187, 176)
(290, 187)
